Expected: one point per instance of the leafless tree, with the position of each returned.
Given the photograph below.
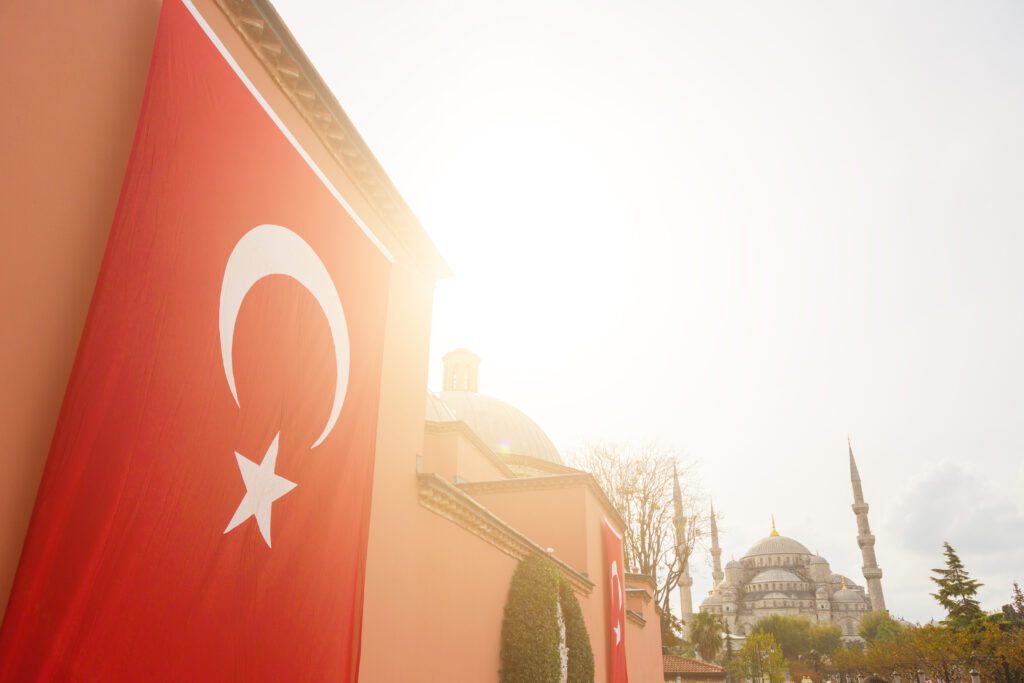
(638, 480)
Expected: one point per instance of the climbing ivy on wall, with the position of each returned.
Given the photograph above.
(530, 631)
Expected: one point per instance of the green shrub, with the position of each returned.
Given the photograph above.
(581, 656)
(530, 635)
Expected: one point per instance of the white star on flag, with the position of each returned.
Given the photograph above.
(262, 488)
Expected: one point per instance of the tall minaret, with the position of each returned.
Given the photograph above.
(866, 540)
(716, 552)
(685, 581)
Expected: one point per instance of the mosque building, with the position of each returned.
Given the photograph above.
(778, 575)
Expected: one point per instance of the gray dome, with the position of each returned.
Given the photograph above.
(436, 410)
(818, 559)
(733, 564)
(777, 545)
(847, 596)
(713, 599)
(776, 576)
(503, 428)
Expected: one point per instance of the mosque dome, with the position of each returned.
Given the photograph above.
(733, 564)
(775, 596)
(437, 411)
(713, 599)
(776, 576)
(818, 559)
(777, 545)
(847, 595)
(505, 429)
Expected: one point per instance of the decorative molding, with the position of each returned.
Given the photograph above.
(446, 500)
(266, 35)
(460, 427)
(556, 481)
(636, 618)
(642, 578)
(538, 464)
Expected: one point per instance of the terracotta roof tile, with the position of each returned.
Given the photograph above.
(674, 664)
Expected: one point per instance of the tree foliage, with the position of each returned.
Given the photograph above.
(638, 481)
(956, 592)
(1013, 612)
(760, 659)
(530, 632)
(793, 634)
(878, 626)
(706, 635)
(581, 655)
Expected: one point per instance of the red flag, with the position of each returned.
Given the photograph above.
(616, 605)
(204, 510)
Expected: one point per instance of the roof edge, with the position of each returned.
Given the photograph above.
(268, 38)
(583, 479)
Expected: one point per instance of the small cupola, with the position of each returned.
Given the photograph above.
(460, 370)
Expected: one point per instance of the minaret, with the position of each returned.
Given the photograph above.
(716, 552)
(685, 581)
(866, 540)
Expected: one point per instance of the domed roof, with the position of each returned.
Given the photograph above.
(775, 596)
(777, 545)
(845, 580)
(436, 410)
(775, 575)
(847, 595)
(733, 564)
(818, 559)
(503, 428)
(713, 599)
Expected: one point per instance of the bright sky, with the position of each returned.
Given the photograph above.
(743, 229)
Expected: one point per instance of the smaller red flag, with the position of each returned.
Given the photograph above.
(616, 605)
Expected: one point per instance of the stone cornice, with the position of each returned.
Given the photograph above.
(636, 618)
(462, 428)
(538, 463)
(266, 35)
(446, 500)
(556, 481)
(641, 578)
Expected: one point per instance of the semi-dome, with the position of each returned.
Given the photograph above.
(733, 564)
(776, 576)
(818, 559)
(502, 427)
(777, 545)
(775, 596)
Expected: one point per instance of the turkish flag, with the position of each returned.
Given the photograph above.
(616, 605)
(203, 514)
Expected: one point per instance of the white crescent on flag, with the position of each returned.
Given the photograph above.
(273, 250)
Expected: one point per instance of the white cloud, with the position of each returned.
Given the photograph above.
(979, 514)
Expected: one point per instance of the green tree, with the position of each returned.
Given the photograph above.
(878, 626)
(826, 640)
(956, 592)
(529, 633)
(577, 640)
(1014, 612)
(793, 634)
(706, 635)
(760, 660)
